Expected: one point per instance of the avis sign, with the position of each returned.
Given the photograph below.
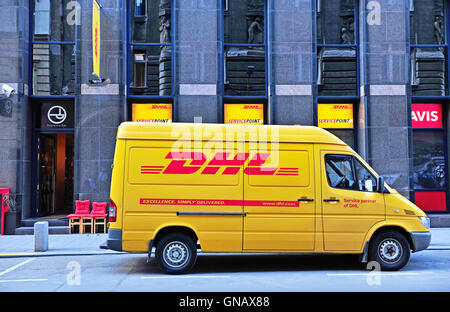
(426, 115)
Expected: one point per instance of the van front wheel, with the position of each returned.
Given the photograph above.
(390, 249)
(176, 253)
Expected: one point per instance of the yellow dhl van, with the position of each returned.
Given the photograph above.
(253, 189)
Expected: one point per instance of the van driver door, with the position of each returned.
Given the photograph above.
(350, 203)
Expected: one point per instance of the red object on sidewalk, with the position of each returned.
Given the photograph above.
(5, 208)
(99, 215)
(81, 215)
(99, 210)
(81, 209)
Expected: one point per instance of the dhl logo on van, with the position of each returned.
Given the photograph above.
(199, 162)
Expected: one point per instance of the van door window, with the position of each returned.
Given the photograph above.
(347, 172)
(340, 173)
(366, 181)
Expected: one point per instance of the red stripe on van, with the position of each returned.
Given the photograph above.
(217, 202)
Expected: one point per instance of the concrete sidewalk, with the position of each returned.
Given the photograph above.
(58, 245)
(89, 244)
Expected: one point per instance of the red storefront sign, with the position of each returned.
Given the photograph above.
(431, 200)
(426, 115)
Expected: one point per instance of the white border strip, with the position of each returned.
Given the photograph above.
(294, 89)
(198, 89)
(109, 89)
(387, 90)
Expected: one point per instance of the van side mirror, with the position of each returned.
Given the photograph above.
(380, 184)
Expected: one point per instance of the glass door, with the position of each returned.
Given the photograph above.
(46, 174)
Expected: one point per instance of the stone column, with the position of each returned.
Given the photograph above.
(165, 67)
(15, 111)
(384, 117)
(98, 108)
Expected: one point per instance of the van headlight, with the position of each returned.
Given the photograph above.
(425, 221)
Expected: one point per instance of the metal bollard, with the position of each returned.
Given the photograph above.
(41, 236)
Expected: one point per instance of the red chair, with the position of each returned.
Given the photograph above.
(99, 215)
(81, 217)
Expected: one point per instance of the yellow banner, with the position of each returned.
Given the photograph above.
(152, 112)
(96, 37)
(249, 114)
(332, 116)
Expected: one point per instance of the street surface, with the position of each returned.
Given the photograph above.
(427, 271)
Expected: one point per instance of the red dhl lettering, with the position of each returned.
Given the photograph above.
(158, 106)
(96, 41)
(342, 107)
(251, 107)
(221, 163)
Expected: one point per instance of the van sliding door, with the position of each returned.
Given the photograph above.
(279, 200)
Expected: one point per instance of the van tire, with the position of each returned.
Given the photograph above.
(390, 249)
(176, 253)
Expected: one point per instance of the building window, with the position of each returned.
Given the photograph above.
(139, 9)
(140, 69)
(337, 48)
(53, 49)
(150, 48)
(244, 37)
(429, 48)
(338, 119)
(337, 32)
(430, 170)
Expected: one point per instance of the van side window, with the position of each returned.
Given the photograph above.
(347, 172)
(340, 171)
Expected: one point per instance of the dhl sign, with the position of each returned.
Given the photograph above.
(152, 113)
(219, 164)
(335, 116)
(249, 114)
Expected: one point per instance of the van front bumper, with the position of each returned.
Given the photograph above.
(420, 240)
(114, 241)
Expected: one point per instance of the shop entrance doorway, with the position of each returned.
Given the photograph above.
(54, 174)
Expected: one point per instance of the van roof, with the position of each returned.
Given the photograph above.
(209, 131)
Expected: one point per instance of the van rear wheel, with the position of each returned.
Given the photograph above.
(176, 253)
(390, 249)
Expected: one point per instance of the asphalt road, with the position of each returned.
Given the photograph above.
(427, 271)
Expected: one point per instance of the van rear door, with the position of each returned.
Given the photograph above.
(276, 177)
